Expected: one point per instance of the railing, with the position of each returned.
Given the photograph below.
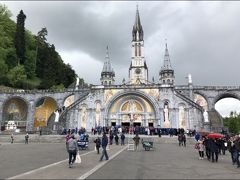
(21, 91)
(189, 101)
(75, 103)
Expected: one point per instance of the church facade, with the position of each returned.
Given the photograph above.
(138, 101)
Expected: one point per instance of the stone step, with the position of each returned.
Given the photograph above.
(36, 138)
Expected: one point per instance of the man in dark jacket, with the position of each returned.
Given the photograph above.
(116, 139)
(207, 148)
(122, 139)
(104, 146)
(214, 149)
(97, 141)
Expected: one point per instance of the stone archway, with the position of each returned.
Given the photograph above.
(223, 96)
(15, 112)
(44, 108)
(147, 110)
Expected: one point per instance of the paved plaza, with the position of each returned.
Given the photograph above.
(166, 161)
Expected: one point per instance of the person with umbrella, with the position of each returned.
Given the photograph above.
(213, 149)
(207, 147)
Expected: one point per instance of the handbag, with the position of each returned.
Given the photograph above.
(197, 146)
(78, 158)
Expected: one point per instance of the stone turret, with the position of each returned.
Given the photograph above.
(107, 74)
(166, 75)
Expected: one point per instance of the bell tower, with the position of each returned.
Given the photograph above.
(138, 71)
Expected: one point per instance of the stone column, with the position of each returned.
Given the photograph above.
(71, 119)
(146, 119)
(101, 122)
(30, 116)
(89, 119)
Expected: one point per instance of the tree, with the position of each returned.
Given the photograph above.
(3, 69)
(11, 58)
(41, 37)
(29, 64)
(20, 38)
(4, 12)
(17, 75)
(233, 122)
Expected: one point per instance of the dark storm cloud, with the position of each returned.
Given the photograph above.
(203, 37)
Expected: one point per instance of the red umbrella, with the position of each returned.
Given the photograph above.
(215, 135)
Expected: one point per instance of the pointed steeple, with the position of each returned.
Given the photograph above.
(138, 70)
(107, 67)
(166, 75)
(137, 31)
(108, 74)
(167, 63)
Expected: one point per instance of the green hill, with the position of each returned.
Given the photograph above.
(38, 67)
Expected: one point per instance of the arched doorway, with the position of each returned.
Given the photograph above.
(136, 107)
(14, 114)
(44, 107)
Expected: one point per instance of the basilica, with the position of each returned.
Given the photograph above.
(139, 101)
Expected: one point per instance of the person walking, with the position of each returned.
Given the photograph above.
(207, 147)
(12, 139)
(184, 140)
(214, 149)
(97, 141)
(136, 141)
(122, 139)
(116, 139)
(180, 139)
(72, 150)
(40, 131)
(201, 149)
(111, 137)
(26, 138)
(104, 146)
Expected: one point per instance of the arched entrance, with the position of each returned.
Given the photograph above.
(229, 109)
(14, 114)
(136, 107)
(44, 107)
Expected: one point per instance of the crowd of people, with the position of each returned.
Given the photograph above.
(208, 148)
(213, 147)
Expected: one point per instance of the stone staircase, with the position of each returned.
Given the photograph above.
(62, 122)
(33, 138)
(216, 121)
(36, 138)
(197, 106)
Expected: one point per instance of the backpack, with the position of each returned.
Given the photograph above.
(98, 142)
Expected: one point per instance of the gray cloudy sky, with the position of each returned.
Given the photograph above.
(203, 37)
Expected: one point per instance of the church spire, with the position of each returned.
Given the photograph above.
(138, 71)
(167, 63)
(108, 74)
(167, 73)
(137, 31)
(107, 54)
